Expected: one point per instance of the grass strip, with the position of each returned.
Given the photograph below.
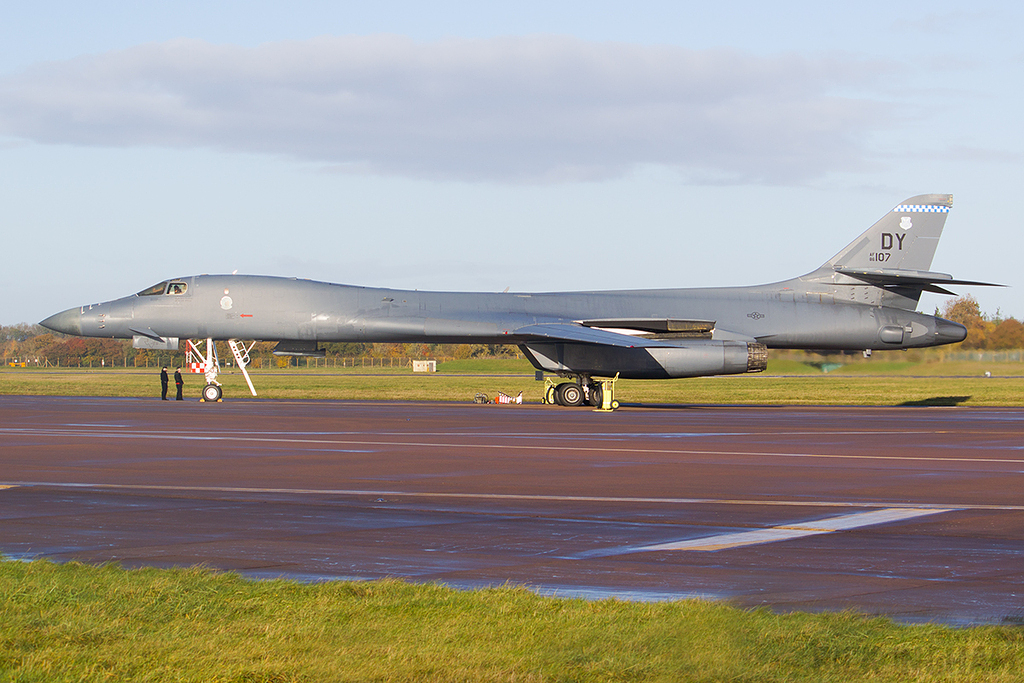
(75, 622)
(916, 385)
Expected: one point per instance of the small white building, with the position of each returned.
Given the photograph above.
(424, 366)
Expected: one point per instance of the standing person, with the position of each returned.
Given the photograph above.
(178, 381)
(163, 384)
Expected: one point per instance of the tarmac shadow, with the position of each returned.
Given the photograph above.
(938, 401)
(698, 406)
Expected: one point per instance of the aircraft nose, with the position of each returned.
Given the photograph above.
(65, 322)
(949, 332)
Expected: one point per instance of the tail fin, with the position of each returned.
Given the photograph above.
(904, 239)
(888, 265)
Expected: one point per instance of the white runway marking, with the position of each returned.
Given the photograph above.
(790, 531)
(889, 514)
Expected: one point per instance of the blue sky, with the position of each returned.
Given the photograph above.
(479, 146)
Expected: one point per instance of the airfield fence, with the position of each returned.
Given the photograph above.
(1009, 356)
(264, 363)
(257, 363)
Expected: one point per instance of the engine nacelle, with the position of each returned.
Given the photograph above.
(692, 358)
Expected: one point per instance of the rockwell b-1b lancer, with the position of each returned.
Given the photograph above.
(861, 299)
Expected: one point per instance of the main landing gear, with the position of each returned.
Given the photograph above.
(209, 365)
(583, 390)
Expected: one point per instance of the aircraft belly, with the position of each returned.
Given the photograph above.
(436, 327)
(413, 329)
(389, 329)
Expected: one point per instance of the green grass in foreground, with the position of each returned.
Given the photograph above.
(75, 622)
(936, 384)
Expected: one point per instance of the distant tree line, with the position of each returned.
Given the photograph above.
(984, 332)
(37, 345)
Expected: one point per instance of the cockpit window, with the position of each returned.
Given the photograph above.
(165, 287)
(155, 289)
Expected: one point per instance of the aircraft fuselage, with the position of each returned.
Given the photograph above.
(274, 308)
(861, 299)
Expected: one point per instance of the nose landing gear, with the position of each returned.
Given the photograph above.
(212, 393)
(209, 365)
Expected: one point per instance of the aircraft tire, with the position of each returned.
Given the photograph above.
(596, 394)
(550, 396)
(570, 394)
(212, 393)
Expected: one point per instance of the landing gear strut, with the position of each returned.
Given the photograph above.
(598, 393)
(209, 365)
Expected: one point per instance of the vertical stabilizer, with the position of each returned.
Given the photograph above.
(904, 239)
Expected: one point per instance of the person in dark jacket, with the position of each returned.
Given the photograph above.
(163, 384)
(178, 381)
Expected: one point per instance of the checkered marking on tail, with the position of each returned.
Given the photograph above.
(921, 208)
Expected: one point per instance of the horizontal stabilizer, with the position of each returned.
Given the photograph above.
(915, 279)
(579, 333)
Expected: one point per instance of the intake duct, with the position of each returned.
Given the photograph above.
(690, 358)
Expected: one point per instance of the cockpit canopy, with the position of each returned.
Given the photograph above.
(165, 287)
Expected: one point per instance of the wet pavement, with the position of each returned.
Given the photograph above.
(914, 513)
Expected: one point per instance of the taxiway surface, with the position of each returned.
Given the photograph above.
(915, 513)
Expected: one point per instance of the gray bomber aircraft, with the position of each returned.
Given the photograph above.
(861, 299)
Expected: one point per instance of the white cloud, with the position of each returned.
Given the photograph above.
(533, 109)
